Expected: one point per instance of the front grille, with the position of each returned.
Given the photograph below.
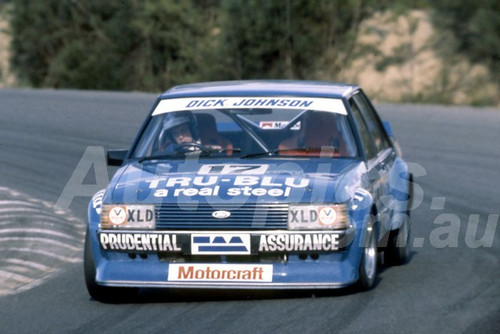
(253, 216)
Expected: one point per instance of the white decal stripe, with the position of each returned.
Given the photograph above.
(253, 102)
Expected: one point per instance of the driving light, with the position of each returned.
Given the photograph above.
(127, 216)
(317, 217)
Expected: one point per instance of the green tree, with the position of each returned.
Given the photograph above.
(131, 45)
(284, 38)
(476, 24)
(172, 36)
(154, 44)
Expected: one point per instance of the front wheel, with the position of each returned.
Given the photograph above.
(368, 266)
(98, 292)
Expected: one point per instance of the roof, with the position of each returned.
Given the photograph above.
(262, 88)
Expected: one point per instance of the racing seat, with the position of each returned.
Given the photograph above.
(319, 133)
(207, 132)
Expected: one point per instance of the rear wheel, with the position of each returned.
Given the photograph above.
(98, 292)
(368, 266)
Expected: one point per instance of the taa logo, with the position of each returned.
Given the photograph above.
(220, 244)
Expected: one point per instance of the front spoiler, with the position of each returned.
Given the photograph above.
(317, 270)
(333, 270)
(236, 286)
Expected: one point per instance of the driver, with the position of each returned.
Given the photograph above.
(179, 130)
(181, 134)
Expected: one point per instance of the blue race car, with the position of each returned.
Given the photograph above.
(251, 185)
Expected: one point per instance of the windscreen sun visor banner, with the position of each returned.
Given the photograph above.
(250, 102)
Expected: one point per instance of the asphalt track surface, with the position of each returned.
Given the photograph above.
(450, 285)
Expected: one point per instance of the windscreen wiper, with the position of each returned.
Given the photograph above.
(280, 150)
(258, 154)
(161, 156)
(176, 155)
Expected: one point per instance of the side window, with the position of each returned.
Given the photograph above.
(363, 131)
(372, 122)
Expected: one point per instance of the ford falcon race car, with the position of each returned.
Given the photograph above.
(251, 185)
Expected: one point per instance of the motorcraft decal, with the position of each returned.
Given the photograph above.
(220, 272)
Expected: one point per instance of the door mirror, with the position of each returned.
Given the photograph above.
(116, 157)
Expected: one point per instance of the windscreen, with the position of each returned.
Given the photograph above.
(248, 127)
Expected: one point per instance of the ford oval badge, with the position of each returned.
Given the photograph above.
(221, 214)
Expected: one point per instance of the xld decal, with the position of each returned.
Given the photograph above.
(140, 216)
(128, 216)
(314, 217)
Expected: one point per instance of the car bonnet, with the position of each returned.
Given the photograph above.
(216, 181)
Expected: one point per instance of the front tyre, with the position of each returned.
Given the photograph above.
(368, 266)
(398, 246)
(98, 292)
(398, 249)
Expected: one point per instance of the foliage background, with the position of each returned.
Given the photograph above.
(150, 45)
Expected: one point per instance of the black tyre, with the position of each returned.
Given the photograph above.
(99, 292)
(397, 251)
(368, 266)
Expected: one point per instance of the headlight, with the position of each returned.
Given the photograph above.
(318, 217)
(136, 216)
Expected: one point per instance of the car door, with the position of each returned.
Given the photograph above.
(379, 155)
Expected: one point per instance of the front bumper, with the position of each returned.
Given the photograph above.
(130, 259)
